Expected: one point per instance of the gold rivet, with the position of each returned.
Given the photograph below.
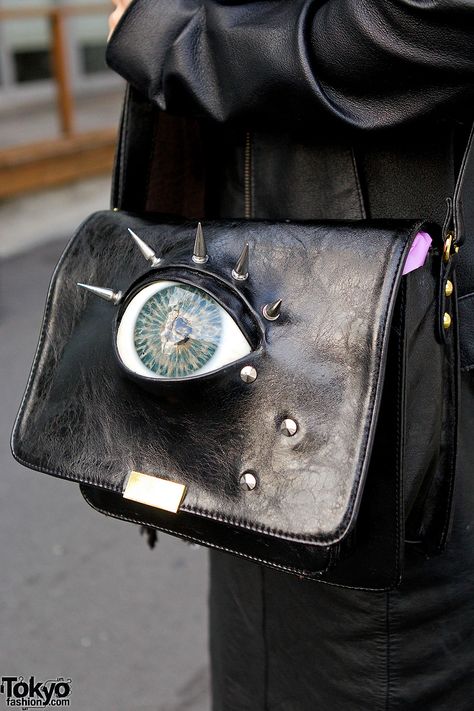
(448, 289)
(446, 320)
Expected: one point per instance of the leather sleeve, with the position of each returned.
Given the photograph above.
(368, 63)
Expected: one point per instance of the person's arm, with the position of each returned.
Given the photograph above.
(368, 63)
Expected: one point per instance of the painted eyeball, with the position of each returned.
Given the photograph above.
(175, 330)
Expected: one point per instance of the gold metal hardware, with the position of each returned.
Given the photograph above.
(448, 289)
(447, 320)
(153, 491)
(448, 243)
(450, 247)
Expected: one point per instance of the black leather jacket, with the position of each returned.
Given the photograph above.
(365, 64)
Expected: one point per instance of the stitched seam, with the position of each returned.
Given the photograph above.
(452, 467)
(388, 660)
(399, 496)
(243, 523)
(196, 539)
(248, 176)
(266, 660)
(252, 176)
(64, 475)
(400, 442)
(309, 574)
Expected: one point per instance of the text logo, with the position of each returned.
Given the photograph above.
(26, 692)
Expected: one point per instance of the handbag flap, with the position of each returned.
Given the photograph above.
(320, 365)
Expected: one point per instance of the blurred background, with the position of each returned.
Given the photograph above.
(81, 595)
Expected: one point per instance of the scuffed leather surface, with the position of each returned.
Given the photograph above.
(370, 557)
(321, 365)
(410, 475)
(364, 64)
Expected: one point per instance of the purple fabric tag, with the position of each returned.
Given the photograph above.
(418, 251)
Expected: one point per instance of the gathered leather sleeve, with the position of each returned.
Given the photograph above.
(368, 63)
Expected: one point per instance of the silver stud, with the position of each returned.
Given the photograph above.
(248, 481)
(241, 269)
(147, 251)
(200, 255)
(248, 374)
(288, 427)
(272, 311)
(107, 294)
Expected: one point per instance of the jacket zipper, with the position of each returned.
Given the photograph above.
(248, 176)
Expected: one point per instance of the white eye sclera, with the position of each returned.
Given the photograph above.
(175, 330)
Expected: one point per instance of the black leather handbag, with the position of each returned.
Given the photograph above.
(280, 391)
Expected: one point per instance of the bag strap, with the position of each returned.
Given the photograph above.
(132, 169)
(174, 183)
(454, 226)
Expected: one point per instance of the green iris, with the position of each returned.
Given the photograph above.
(177, 331)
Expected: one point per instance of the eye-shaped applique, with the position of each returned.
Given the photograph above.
(172, 330)
(175, 330)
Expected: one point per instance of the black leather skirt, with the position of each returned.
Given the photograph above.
(279, 643)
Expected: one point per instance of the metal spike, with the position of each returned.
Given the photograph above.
(147, 251)
(272, 311)
(241, 269)
(200, 255)
(107, 294)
